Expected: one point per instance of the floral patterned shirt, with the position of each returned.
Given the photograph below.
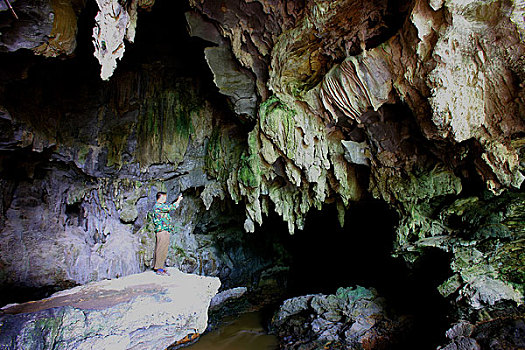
(161, 216)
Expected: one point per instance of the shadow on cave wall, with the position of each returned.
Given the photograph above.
(324, 257)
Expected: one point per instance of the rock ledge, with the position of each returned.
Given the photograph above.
(141, 311)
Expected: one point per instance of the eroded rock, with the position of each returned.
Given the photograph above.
(78, 182)
(142, 311)
(352, 318)
(431, 102)
(230, 77)
(504, 333)
(63, 37)
(232, 81)
(33, 28)
(115, 21)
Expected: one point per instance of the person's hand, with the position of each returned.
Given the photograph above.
(179, 198)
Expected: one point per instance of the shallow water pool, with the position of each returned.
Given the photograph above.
(244, 332)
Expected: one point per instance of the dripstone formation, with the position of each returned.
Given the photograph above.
(296, 105)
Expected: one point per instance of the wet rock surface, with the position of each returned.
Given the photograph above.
(142, 311)
(353, 318)
(501, 333)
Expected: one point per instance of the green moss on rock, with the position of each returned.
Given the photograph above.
(249, 165)
(223, 153)
(165, 125)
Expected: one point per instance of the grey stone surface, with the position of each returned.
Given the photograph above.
(230, 77)
(463, 343)
(505, 332)
(348, 319)
(227, 295)
(463, 328)
(4, 7)
(356, 152)
(436, 97)
(198, 26)
(76, 202)
(31, 30)
(232, 80)
(142, 311)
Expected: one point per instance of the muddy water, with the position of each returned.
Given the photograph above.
(242, 333)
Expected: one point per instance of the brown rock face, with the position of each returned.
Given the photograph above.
(63, 37)
(328, 32)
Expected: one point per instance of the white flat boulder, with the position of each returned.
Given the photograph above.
(141, 311)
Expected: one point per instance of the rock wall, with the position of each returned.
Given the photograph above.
(353, 318)
(77, 208)
(81, 162)
(408, 68)
(417, 103)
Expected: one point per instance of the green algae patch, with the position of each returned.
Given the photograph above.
(250, 164)
(165, 126)
(249, 171)
(354, 293)
(82, 154)
(509, 260)
(289, 165)
(223, 153)
(116, 143)
(277, 122)
(484, 236)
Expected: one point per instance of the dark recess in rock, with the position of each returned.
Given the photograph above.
(325, 257)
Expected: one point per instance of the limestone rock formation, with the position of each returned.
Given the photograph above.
(31, 30)
(353, 318)
(116, 22)
(506, 332)
(142, 311)
(108, 35)
(80, 173)
(62, 39)
(231, 79)
(434, 101)
(48, 28)
(368, 81)
(67, 219)
(416, 103)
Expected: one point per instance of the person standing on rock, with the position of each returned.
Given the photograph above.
(161, 220)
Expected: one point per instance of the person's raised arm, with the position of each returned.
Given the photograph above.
(177, 202)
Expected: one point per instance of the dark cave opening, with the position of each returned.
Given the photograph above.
(75, 214)
(324, 257)
(67, 85)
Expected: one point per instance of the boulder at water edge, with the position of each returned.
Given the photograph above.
(141, 311)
